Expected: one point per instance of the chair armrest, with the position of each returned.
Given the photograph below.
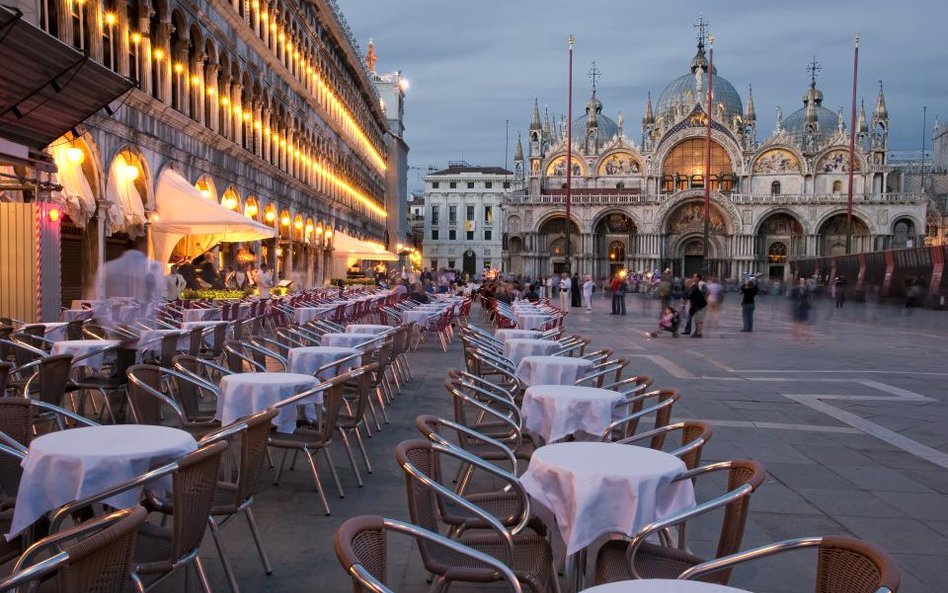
(754, 553)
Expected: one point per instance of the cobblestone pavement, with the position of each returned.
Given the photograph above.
(851, 422)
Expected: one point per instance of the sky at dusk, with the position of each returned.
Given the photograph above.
(474, 64)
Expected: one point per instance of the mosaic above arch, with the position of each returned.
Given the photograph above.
(619, 163)
(775, 161)
(557, 167)
(689, 217)
(836, 161)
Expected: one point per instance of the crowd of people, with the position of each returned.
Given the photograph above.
(201, 273)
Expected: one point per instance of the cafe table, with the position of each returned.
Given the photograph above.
(552, 370)
(554, 412)
(243, 394)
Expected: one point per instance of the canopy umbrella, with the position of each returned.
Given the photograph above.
(183, 212)
(355, 249)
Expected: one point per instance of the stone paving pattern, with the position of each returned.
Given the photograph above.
(880, 473)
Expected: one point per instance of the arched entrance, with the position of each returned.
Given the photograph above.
(832, 236)
(684, 228)
(779, 236)
(469, 263)
(612, 239)
(551, 240)
(903, 234)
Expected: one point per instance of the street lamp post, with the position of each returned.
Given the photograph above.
(569, 156)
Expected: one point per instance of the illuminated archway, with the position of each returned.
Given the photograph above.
(684, 167)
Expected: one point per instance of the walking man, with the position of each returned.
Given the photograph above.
(588, 293)
(698, 305)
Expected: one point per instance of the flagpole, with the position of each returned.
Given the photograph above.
(707, 160)
(852, 153)
(569, 156)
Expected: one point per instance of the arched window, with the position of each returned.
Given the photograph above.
(775, 188)
(686, 163)
(902, 232)
(837, 187)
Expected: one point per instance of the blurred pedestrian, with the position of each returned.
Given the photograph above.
(839, 291)
(801, 298)
(565, 285)
(748, 294)
(588, 285)
(576, 299)
(698, 304)
(619, 288)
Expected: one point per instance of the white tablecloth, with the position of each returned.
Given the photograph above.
(149, 342)
(347, 340)
(243, 394)
(552, 370)
(509, 334)
(82, 347)
(662, 586)
(553, 412)
(199, 314)
(419, 316)
(307, 360)
(54, 330)
(209, 336)
(531, 321)
(72, 464)
(365, 328)
(303, 315)
(597, 488)
(516, 349)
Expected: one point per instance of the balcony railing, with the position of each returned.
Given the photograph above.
(740, 199)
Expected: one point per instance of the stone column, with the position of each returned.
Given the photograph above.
(164, 66)
(64, 20)
(264, 126)
(120, 39)
(196, 90)
(258, 123)
(144, 55)
(210, 82)
(94, 24)
(236, 114)
(181, 81)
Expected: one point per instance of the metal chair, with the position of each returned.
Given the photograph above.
(527, 553)
(361, 545)
(92, 557)
(844, 564)
(627, 425)
(162, 550)
(146, 400)
(638, 558)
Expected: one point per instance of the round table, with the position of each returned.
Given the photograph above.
(516, 349)
(149, 342)
(347, 340)
(509, 334)
(552, 370)
(531, 321)
(209, 336)
(82, 347)
(365, 328)
(198, 314)
(554, 412)
(71, 464)
(309, 359)
(597, 488)
(303, 315)
(662, 586)
(243, 394)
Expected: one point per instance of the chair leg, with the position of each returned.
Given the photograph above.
(375, 416)
(381, 399)
(276, 481)
(256, 540)
(352, 461)
(317, 482)
(228, 569)
(202, 575)
(334, 472)
(365, 455)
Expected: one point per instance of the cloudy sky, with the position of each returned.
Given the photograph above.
(474, 64)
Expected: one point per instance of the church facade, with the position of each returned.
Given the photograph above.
(639, 206)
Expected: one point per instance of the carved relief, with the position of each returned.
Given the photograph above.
(781, 224)
(690, 217)
(777, 161)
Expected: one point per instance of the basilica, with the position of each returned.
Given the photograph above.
(639, 206)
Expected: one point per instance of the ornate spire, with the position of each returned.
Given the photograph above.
(547, 126)
(535, 121)
(750, 115)
(701, 60)
(862, 127)
(518, 150)
(813, 95)
(370, 57)
(649, 117)
(880, 112)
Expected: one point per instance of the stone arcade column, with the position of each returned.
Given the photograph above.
(145, 56)
(93, 9)
(236, 113)
(210, 81)
(181, 81)
(197, 90)
(164, 66)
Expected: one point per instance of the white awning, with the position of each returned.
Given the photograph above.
(356, 249)
(76, 196)
(183, 211)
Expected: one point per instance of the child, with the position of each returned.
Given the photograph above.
(669, 322)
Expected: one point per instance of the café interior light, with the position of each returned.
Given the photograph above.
(53, 214)
(285, 220)
(75, 155)
(270, 216)
(131, 172)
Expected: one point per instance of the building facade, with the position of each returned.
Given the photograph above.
(639, 205)
(263, 106)
(462, 220)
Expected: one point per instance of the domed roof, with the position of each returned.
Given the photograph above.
(827, 122)
(685, 90)
(607, 128)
